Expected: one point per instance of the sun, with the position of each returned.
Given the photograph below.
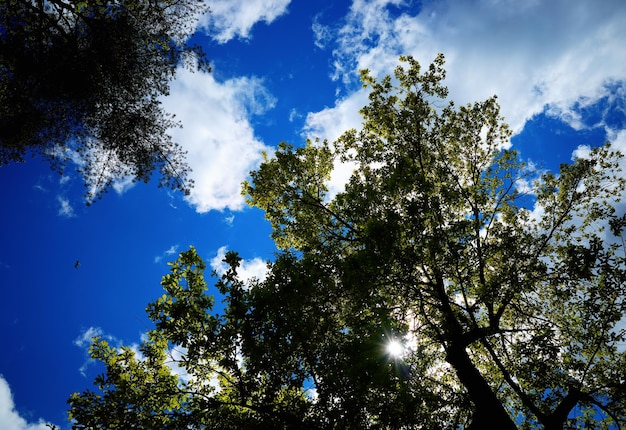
(395, 348)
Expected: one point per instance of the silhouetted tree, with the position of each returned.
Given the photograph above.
(81, 80)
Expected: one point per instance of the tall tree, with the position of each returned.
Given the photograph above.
(507, 318)
(82, 80)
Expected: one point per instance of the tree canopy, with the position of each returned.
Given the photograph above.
(501, 289)
(82, 80)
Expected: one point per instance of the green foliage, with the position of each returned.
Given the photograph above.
(509, 317)
(86, 77)
(516, 311)
(190, 370)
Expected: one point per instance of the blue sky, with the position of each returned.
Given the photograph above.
(282, 70)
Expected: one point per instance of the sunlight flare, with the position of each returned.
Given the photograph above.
(395, 348)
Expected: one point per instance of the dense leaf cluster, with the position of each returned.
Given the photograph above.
(82, 80)
(510, 317)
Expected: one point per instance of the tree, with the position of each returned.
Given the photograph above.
(82, 80)
(508, 317)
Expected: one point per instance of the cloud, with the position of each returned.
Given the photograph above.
(217, 134)
(176, 354)
(235, 18)
(556, 57)
(65, 209)
(84, 341)
(248, 270)
(618, 143)
(86, 337)
(229, 220)
(122, 185)
(10, 418)
(293, 115)
(331, 123)
(531, 54)
(599, 227)
(322, 34)
(172, 250)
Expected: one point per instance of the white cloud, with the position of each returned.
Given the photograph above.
(175, 354)
(248, 270)
(331, 123)
(86, 337)
(534, 55)
(618, 143)
(229, 220)
(217, 134)
(65, 209)
(293, 115)
(172, 250)
(235, 18)
(531, 54)
(97, 164)
(322, 34)
(176, 357)
(10, 418)
(84, 341)
(122, 185)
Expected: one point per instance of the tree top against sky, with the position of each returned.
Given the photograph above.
(83, 82)
(508, 317)
(281, 71)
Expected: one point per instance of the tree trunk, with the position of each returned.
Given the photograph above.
(489, 412)
(556, 420)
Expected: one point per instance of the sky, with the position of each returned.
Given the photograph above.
(282, 71)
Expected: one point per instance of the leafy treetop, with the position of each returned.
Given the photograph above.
(509, 317)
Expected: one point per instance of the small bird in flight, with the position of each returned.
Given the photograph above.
(76, 264)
